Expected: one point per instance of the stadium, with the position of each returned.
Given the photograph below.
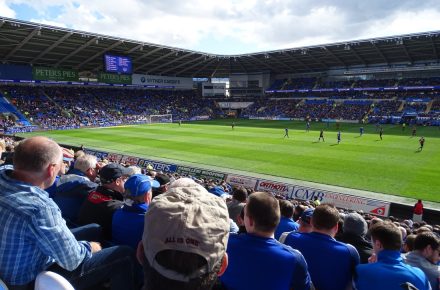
(344, 123)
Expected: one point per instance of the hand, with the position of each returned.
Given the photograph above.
(96, 247)
(372, 259)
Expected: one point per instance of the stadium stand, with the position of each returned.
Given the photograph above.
(347, 89)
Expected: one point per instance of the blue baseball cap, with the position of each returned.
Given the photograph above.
(307, 215)
(217, 190)
(139, 184)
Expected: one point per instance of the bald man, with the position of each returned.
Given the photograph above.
(34, 236)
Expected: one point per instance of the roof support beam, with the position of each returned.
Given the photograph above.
(292, 57)
(137, 47)
(261, 62)
(55, 44)
(238, 61)
(88, 43)
(117, 43)
(194, 65)
(216, 68)
(380, 52)
(273, 57)
(170, 62)
(358, 56)
(335, 56)
(434, 48)
(406, 52)
(156, 60)
(147, 54)
(23, 42)
(184, 64)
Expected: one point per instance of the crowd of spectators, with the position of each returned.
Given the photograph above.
(182, 227)
(322, 83)
(350, 110)
(58, 107)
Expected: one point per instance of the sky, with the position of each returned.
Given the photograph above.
(232, 27)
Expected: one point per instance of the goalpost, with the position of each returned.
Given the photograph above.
(166, 118)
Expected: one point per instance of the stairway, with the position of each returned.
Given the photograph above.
(429, 106)
(7, 107)
(402, 105)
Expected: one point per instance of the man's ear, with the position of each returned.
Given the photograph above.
(378, 244)
(52, 170)
(224, 265)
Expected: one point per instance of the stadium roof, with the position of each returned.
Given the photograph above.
(24, 42)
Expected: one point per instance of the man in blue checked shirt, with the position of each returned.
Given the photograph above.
(34, 236)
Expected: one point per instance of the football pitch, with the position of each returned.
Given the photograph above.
(393, 165)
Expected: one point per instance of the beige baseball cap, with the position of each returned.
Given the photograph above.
(186, 218)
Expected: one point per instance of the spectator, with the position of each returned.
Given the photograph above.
(418, 211)
(106, 199)
(426, 257)
(331, 263)
(73, 188)
(185, 236)
(408, 244)
(354, 231)
(164, 182)
(286, 223)
(304, 224)
(389, 272)
(235, 206)
(299, 209)
(256, 259)
(128, 221)
(304, 221)
(34, 235)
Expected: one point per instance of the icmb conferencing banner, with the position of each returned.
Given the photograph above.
(162, 81)
(55, 74)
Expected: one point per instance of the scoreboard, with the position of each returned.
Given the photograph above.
(117, 64)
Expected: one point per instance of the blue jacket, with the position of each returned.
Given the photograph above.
(285, 225)
(70, 192)
(259, 263)
(389, 273)
(128, 224)
(331, 263)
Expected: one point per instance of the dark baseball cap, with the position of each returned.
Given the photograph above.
(162, 179)
(111, 172)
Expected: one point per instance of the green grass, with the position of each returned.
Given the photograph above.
(392, 165)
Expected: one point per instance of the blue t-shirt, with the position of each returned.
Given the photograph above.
(389, 273)
(263, 263)
(331, 263)
(128, 224)
(285, 225)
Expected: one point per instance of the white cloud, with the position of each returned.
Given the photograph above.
(5, 10)
(251, 25)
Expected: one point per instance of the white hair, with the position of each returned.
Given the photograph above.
(84, 162)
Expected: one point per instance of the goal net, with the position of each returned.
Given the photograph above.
(167, 118)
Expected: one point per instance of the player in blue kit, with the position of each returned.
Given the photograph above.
(339, 137)
(286, 132)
